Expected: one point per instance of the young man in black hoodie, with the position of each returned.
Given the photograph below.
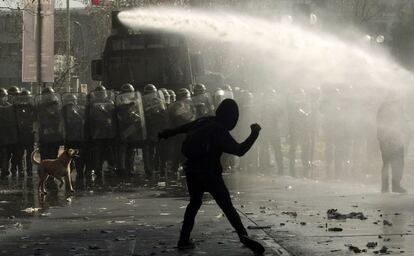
(207, 139)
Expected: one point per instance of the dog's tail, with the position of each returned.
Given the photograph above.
(34, 161)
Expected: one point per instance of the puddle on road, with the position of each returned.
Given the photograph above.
(19, 198)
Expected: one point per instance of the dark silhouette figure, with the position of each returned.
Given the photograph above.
(207, 139)
(392, 133)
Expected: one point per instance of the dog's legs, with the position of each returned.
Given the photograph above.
(39, 186)
(69, 182)
(43, 184)
(61, 182)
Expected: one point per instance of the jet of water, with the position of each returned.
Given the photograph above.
(295, 55)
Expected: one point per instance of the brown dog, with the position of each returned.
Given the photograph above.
(58, 168)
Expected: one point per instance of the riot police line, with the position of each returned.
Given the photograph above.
(103, 125)
(111, 126)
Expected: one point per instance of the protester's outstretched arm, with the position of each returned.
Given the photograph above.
(230, 146)
(167, 133)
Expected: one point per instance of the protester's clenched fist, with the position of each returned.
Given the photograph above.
(255, 128)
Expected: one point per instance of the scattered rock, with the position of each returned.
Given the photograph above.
(31, 210)
(303, 223)
(259, 227)
(94, 247)
(334, 214)
(383, 250)
(372, 245)
(335, 229)
(386, 223)
(291, 214)
(354, 249)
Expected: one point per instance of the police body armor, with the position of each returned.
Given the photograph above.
(49, 117)
(25, 114)
(8, 125)
(130, 114)
(101, 113)
(203, 104)
(156, 118)
(182, 112)
(74, 117)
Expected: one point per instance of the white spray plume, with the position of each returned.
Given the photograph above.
(301, 55)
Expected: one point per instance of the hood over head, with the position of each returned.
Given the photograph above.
(227, 113)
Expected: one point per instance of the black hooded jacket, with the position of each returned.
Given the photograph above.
(208, 138)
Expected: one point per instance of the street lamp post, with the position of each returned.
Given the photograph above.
(68, 67)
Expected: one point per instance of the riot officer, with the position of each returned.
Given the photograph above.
(166, 96)
(299, 130)
(50, 127)
(8, 132)
(74, 120)
(25, 114)
(202, 101)
(172, 96)
(156, 119)
(180, 112)
(332, 118)
(17, 152)
(131, 127)
(222, 94)
(271, 112)
(101, 128)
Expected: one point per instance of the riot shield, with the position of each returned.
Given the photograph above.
(221, 95)
(181, 112)
(130, 114)
(24, 106)
(156, 117)
(203, 104)
(8, 125)
(74, 117)
(101, 115)
(49, 110)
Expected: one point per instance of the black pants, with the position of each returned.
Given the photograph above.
(17, 159)
(5, 155)
(392, 156)
(214, 184)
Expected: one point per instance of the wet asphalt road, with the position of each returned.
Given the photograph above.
(138, 217)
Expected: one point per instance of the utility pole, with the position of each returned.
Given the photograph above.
(39, 47)
(68, 62)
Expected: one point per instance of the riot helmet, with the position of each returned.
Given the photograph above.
(149, 88)
(199, 89)
(127, 88)
(183, 94)
(25, 92)
(172, 96)
(48, 90)
(228, 88)
(3, 95)
(3, 92)
(100, 92)
(14, 90)
(71, 99)
(166, 95)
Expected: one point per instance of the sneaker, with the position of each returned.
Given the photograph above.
(399, 189)
(253, 245)
(185, 245)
